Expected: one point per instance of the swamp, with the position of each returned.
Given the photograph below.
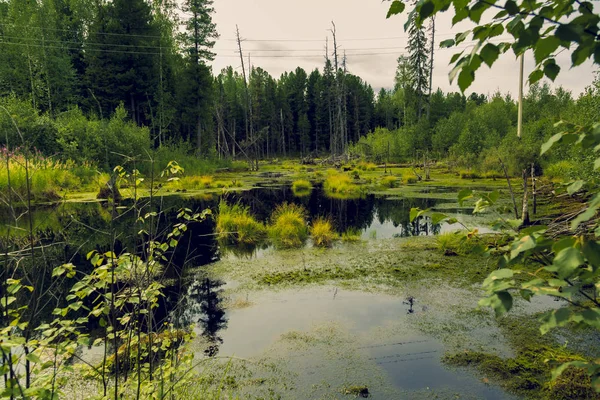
(205, 200)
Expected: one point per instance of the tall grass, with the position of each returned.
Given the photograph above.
(352, 235)
(389, 181)
(366, 166)
(288, 227)
(341, 185)
(322, 232)
(236, 225)
(301, 187)
(48, 177)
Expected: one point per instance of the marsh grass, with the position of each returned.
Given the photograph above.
(389, 181)
(193, 182)
(236, 225)
(409, 180)
(288, 227)
(322, 232)
(301, 186)
(455, 242)
(352, 235)
(341, 185)
(366, 166)
(48, 177)
(469, 174)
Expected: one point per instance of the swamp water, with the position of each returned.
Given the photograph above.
(320, 342)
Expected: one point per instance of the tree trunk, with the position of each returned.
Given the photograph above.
(525, 215)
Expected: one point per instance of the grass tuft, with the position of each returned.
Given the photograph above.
(341, 185)
(352, 235)
(236, 225)
(301, 187)
(389, 181)
(322, 232)
(288, 226)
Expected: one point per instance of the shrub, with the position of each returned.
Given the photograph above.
(389, 181)
(564, 170)
(236, 225)
(239, 166)
(352, 235)
(288, 226)
(322, 232)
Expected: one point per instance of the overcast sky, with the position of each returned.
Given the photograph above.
(295, 30)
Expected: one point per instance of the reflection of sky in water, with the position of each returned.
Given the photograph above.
(345, 331)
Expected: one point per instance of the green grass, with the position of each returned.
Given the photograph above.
(389, 181)
(352, 235)
(469, 174)
(301, 187)
(48, 178)
(366, 166)
(288, 227)
(341, 185)
(322, 232)
(236, 225)
(409, 180)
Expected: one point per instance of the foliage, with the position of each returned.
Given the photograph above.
(236, 225)
(322, 232)
(288, 227)
(118, 294)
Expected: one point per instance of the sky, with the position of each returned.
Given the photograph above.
(281, 35)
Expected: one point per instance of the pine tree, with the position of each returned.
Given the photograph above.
(418, 61)
(198, 41)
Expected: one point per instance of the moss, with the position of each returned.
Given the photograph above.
(529, 372)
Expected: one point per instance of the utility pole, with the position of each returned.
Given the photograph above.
(520, 120)
(431, 67)
(239, 42)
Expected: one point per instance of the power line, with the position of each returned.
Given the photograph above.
(76, 31)
(78, 48)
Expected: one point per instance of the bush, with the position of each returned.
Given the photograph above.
(322, 232)
(288, 226)
(389, 181)
(564, 170)
(236, 225)
(239, 166)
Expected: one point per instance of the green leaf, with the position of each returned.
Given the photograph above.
(448, 43)
(585, 216)
(591, 251)
(33, 358)
(505, 273)
(567, 33)
(522, 245)
(548, 145)
(535, 76)
(551, 70)
(436, 218)
(575, 187)
(478, 9)
(465, 78)
(464, 195)
(582, 53)
(567, 261)
(397, 7)
(489, 54)
(545, 47)
(511, 7)
(554, 319)
(426, 10)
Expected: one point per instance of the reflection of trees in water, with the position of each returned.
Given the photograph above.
(204, 301)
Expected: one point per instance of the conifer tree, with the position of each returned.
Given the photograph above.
(418, 59)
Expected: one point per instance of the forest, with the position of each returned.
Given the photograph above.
(170, 231)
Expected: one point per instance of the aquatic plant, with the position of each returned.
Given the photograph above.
(409, 180)
(367, 166)
(288, 227)
(352, 235)
(301, 187)
(469, 174)
(322, 232)
(341, 184)
(236, 225)
(389, 181)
